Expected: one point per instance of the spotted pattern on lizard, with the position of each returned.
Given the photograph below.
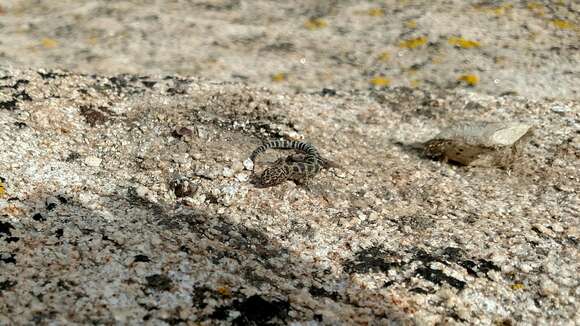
(298, 168)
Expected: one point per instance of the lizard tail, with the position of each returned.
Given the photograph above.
(285, 144)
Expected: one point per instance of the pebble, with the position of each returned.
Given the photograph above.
(227, 195)
(237, 166)
(548, 287)
(248, 164)
(560, 109)
(183, 187)
(227, 172)
(180, 158)
(93, 161)
(242, 177)
(146, 194)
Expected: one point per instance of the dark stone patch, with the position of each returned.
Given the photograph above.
(23, 96)
(373, 259)
(420, 290)
(63, 285)
(482, 265)
(453, 254)
(16, 84)
(388, 283)
(7, 285)
(5, 228)
(255, 311)
(93, 117)
(159, 282)
(199, 295)
(59, 233)
(148, 83)
(50, 74)
(184, 249)
(321, 292)
(12, 239)
(438, 277)
(183, 187)
(328, 92)
(20, 125)
(9, 105)
(8, 258)
(182, 132)
(62, 199)
(141, 259)
(73, 156)
(174, 320)
(38, 217)
(50, 206)
(427, 258)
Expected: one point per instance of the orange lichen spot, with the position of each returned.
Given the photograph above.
(414, 42)
(411, 24)
(517, 286)
(562, 24)
(279, 77)
(315, 23)
(376, 12)
(463, 43)
(469, 79)
(224, 291)
(49, 43)
(384, 56)
(380, 81)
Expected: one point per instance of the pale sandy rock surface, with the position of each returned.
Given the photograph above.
(531, 48)
(125, 198)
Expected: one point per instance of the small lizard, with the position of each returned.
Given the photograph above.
(298, 168)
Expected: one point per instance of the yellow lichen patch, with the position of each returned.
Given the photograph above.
(93, 40)
(224, 291)
(376, 12)
(517, 286)
(411, 24)
(463, 43)
(380, 81)
(562, 24)
(495, 10)
(469, 79)
(537, 8)
(384, 56)
(315, 23)
(413, 42)
(279, 77)
(49, 43)
(415, 83)
(2, 189)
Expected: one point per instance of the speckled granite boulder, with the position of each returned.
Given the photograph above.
(124, 199)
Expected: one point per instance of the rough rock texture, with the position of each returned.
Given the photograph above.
(124, 198)
(91, 229)
(530, 48)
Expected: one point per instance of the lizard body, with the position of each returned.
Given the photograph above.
(298, 168)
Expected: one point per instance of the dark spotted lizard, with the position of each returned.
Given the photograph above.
(298, 168)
